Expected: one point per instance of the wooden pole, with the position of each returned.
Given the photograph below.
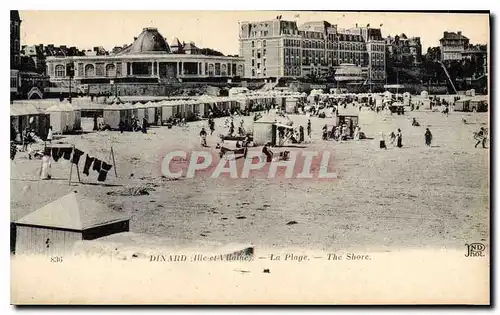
(114, 163)
(78, 173)
(70, 172)
(71, 168)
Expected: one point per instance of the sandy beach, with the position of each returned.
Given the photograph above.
(413, 197)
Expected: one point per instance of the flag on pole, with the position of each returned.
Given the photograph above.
(381, 25)
(297, 16)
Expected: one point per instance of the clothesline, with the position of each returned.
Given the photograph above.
(74, 155)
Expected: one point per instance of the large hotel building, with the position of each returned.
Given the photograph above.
(282, 49)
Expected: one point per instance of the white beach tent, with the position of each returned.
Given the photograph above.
(168, 109)
(140, 111)
(130, 110)
(150, 112)
(64, 118)
(112, 114)
(387, 94)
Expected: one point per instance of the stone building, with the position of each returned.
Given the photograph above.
(278, 48)
(15, 39)
(148, 59)
(453, 45)
(402, 49)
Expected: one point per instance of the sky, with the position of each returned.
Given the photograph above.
(219, 29)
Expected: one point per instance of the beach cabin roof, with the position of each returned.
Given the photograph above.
(73, 211)
(25, 109)
(350, 111)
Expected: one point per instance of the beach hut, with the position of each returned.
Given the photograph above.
(24, 116)
(149, 112)
(461, 106)
(113, 114)
(140, 111)
(387, 94)
(169, 109)
(479, 103)
(64, 118)
(130, 110)
(291, 105)
(424, 94)
(56, 227)
(264, 131)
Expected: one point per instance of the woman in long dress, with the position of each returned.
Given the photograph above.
(50, 135)
(399, 137)
(45, 169)
(356, 133)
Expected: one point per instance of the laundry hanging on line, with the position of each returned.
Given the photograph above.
(88, 162)
(97, 165)
(76, 156)
(66, 152)
(105, 167)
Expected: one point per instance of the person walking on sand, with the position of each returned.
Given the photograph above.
(481, 137)
(203, 137)
(309, 128)
(301, 134)
(45, 168)
(428, 137)
(356, 133)
(399, 139)
(325, 132)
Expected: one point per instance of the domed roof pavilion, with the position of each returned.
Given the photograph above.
(150, 41)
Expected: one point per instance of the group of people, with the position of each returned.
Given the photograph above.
(133, 125)
(341, 133)
(395, 138)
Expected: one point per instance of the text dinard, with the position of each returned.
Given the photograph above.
(199, 258)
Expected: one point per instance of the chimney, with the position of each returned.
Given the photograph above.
(459, 32)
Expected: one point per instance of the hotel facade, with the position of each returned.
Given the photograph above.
(282, 49)
(148, 59)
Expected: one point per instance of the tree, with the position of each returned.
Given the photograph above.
(433, 53)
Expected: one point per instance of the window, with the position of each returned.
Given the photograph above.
(89, 70)
(118, 69)
(258, 65)
(253, 63)
(258, 54)
(264, 52)
(253, 72)
(253, 53)
(60, 71)
(110, 70)
(253, 44)
(264, 43)
(80, 70)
